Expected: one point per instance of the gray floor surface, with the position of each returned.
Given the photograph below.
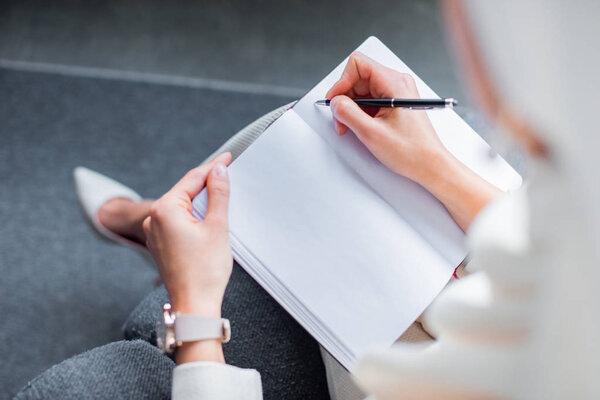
(64, 290)
(287, 43)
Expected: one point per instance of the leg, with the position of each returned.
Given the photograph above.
(120, 370)
(124, 217)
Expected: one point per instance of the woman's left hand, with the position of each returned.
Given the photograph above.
(194, 257)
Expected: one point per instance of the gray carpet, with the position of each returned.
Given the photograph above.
(291, 43)
(65, 290)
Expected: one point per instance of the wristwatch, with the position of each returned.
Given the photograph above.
(173, 328)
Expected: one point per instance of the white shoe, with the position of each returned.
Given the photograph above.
(93, 190)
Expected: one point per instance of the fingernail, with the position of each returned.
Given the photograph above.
(220, 170)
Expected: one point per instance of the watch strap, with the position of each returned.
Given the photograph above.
(191, 328)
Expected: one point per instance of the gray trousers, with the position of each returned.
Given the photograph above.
(264, 337)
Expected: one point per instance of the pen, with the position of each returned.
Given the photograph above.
(413, 104)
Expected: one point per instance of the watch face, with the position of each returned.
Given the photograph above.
(226, 331)
(165, 330)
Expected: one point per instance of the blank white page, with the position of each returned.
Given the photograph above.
(335, 248)
(418, 207)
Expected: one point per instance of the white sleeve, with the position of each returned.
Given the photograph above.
(215, 381)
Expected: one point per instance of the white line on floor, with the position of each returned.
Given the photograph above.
(161, 79)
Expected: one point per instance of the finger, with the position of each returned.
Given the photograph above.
(191, 184)
(218, 197)
(364, 76)
(225, 158)
(356, 77)
(350, 76)
(147, 226)
(195, 180)
(348, 113)
(340, 128)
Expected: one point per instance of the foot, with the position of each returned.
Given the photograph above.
(125, 217)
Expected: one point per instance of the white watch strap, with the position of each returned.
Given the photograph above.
(190, 328)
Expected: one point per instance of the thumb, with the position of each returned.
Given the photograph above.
(348, 113)
(217, 189)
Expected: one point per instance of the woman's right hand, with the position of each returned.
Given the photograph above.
(403, 140)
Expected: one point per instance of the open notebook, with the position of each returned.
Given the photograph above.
(351, 250)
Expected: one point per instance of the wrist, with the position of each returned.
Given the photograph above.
(458, 188)
(204, 350)
(197, 305)
(439, 164)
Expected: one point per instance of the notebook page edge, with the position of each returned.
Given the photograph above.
(285, 297)
(277, 289)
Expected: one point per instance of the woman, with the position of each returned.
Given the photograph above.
(195, 260)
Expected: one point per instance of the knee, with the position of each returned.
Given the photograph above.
(141, 323)
(125, 369)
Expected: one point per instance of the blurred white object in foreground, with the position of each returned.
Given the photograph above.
(526, 323)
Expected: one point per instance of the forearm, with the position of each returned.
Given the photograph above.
(201, 371)
(461, 191)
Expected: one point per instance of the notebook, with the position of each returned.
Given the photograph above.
(353, 251)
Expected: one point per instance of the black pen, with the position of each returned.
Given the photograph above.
(413, 104)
